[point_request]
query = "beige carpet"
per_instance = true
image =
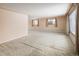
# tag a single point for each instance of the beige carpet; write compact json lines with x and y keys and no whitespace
{"x":39,"y":44}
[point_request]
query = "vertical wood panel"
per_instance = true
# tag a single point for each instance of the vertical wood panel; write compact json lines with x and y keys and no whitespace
{"x":77,"y":30}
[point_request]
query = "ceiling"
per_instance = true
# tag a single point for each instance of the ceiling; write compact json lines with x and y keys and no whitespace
{"x":35,"y":10}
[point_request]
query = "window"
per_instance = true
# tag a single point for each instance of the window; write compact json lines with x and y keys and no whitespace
{"x":52,"y":21}
{"x":72,"y":21}
{"x":35,"y":22}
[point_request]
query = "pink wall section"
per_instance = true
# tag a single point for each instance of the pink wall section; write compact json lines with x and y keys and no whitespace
{"x":12,"y":25}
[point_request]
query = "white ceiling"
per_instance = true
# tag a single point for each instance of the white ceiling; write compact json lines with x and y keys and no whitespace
{"x":38,"y":9}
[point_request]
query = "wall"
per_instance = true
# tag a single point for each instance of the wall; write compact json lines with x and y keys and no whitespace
{"x":12,"y":25}
{"x":72,"y":24}
{"x":39,"y":9}
{"x":61,"y":25}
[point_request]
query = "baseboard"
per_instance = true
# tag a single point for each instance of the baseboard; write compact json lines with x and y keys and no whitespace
{"x":12,"y":39}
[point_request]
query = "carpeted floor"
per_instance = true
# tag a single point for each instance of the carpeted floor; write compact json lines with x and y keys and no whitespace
{"x":39,"y":44}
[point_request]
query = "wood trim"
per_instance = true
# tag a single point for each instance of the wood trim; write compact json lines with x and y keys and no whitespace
{"x":32,"y":23}
{"x":38,"y":22}
{"x":46,"y":22}
{"x":69,"y":23}
{"x":56,"y":23}
{"x":77,"y":30}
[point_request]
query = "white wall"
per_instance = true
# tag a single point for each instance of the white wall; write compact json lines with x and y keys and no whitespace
{"x":12,"y":25}
{"x":50,"y":10}
{"x":38,"y":10}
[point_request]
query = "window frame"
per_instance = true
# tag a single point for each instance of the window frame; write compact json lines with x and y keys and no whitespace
{"x":52,"y":22}
{"x":37,"y":22}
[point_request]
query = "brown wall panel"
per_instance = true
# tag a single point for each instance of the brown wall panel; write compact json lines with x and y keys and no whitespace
{"x":61,"y":25}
